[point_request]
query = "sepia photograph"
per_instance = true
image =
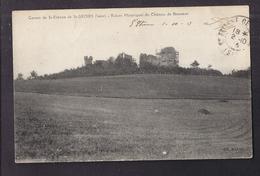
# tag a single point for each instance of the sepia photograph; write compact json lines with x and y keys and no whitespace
{"x":127,"y":84}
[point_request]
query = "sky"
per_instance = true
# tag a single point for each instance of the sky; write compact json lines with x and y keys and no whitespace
{"x":49,"y":41}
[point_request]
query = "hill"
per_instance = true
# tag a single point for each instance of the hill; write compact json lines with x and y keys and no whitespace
{"x":132,"y":117}
{"x":143,"y":86}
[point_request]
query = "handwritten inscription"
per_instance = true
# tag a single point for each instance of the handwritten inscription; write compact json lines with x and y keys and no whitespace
{"x":140,"y":23}
{"x":143,"y":23}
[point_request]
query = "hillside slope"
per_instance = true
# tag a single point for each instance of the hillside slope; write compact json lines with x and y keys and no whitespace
{"x":143,"y":86}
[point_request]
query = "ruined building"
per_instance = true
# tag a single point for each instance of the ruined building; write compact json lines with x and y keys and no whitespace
{"x":166,"y":57}
{"x":88,"y":60}
{"x":124,"y":56}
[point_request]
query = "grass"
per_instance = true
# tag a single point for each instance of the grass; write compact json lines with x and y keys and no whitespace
{"x":67,"y":128}
{"x":143,"y":86}
{"x":132,"y":117}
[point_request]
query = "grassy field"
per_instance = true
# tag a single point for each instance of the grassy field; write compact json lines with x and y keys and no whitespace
{"x":143,"y":86}
{"x":52,"y":125}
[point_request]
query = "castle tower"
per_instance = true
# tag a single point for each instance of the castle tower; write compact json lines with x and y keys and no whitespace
{"x":88,"y":60}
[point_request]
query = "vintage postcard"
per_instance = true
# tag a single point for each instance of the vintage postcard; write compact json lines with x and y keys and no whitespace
{"x":132,"y":84}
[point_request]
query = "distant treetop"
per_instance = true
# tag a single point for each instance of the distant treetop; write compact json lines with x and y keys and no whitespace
{"x":167,"y":50}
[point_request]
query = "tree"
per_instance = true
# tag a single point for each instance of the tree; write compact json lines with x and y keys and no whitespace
{"x":29,"y":78}
{"x":111,"y":60}
{"x":241,"y":73}
{"x":19,"y":76}
{"x":34,"y":74}
{"x":195,"y":64}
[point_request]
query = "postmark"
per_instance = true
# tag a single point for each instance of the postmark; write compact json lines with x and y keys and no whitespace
{"x":233,"y":34}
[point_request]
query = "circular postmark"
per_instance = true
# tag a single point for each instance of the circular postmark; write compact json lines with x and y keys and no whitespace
{"x":233,"y":34}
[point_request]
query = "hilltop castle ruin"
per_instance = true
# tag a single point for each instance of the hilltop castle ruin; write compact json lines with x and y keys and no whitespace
{"x":88,"y":60}
{"x":166,"y":57}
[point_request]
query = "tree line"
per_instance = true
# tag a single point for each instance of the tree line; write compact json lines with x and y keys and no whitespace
{"x":127,"y":65}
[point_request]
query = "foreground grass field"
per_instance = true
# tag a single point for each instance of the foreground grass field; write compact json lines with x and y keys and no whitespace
{"x":52,"y":126}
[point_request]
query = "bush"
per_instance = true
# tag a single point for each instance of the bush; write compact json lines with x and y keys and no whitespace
{"x":241,"y":73}
{"x":179,"y":70}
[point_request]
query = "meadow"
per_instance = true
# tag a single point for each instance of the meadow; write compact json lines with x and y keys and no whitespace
{"x":132,"y":117}
{"x":143,"y":86}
